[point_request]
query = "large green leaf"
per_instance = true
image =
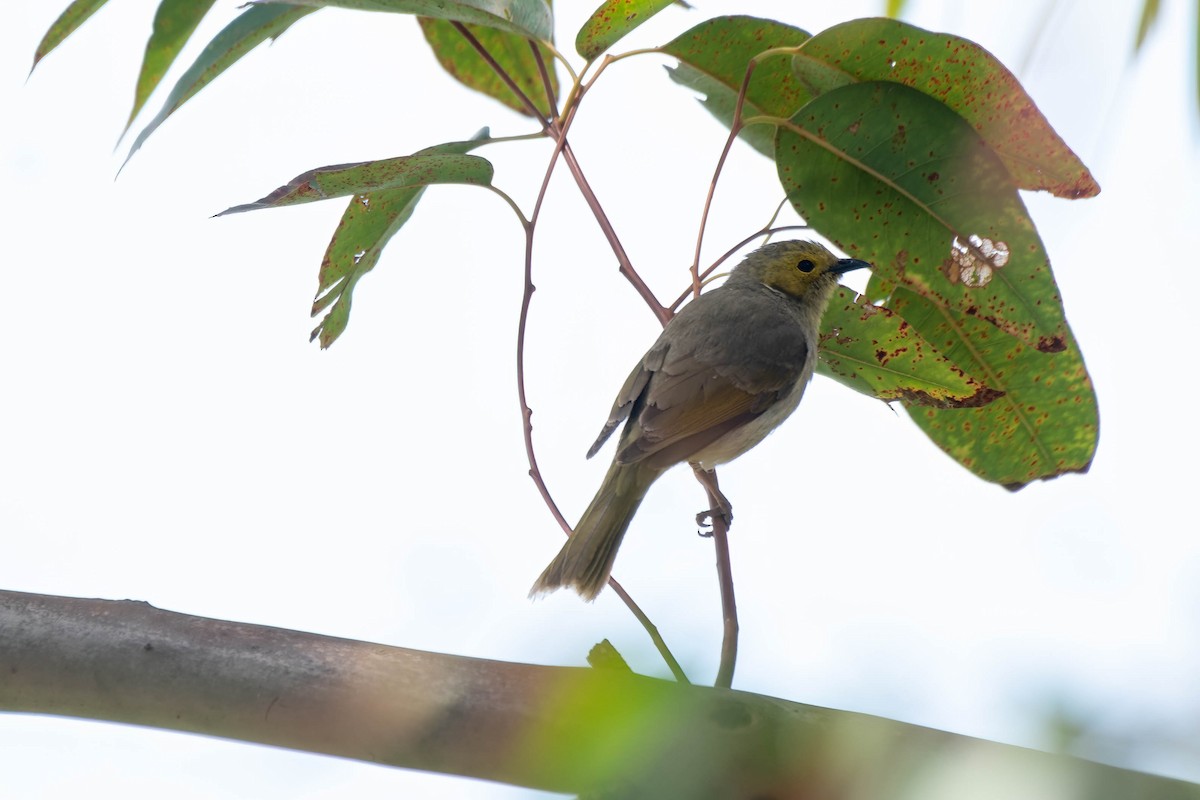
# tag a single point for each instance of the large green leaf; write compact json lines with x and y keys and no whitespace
{"x":963,"y":76}
{"x":713,"y":57}
{"x":66,"y":24}
{"x":898,"y":179}
{"x":252,"y":27}
{"x":1045,"y":424}
{"x":339,"y":180}
{"x":369,"y":222}
{"x":523,"y":17}
{"x":174,"y":23}
{"x":875,"y":351}
{"x":612,"y":21}
{"x":510,"y":51}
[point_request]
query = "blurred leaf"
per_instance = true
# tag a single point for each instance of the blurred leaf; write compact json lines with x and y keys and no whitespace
{"x":511,"y":51}
{"x":604,"y":656}
{"x":339,"y":180}
{"x":1146,"y":22}
{"x":174,"y":23}
{"x":1046,"y":423}
{"x":961,"y":75}
{"x":898,"y":179}
{"x":252,"y":27}
{"x":874,"y":351}
{"x":895,"y":8}
{"x":367,"y":225}
{"x":611,"y":22}
{"x":713,"y":58}
{"x":522,"y":17}
{"x":75,"y":15}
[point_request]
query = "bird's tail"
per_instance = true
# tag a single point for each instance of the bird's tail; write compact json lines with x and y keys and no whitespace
{"x":585,"y":561}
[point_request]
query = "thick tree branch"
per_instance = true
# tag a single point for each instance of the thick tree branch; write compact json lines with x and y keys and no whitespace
{"x":562,"y":729}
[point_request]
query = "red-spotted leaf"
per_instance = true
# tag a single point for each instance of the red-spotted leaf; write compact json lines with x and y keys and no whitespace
{"x":959,"y":74}
{"x":713,"y":57}
{"x":511,"y":52}
{"x":66,"y":24}
{"x":875,"y":351}
{"x":1046,"y":422}
{"x":174,"y":23}
{"x":612,"y":21}
{"x":531,"y":18}
{"x":252,"y":27}
{"x":367,"y":225}
{"x":362,"y":177}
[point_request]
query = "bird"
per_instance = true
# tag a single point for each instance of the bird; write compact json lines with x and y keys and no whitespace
{"x":725,"y":371}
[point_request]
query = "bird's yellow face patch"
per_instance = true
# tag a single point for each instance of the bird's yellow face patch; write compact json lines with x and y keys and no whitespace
{"x":792,"y":269}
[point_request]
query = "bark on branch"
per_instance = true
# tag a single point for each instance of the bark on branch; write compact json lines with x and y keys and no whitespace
{"x":562,"y":729}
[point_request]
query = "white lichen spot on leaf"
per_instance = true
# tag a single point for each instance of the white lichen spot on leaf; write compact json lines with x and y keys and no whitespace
{"x":974,"y":262}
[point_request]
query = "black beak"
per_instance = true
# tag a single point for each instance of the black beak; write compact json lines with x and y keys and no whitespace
{"x":845,"y":265}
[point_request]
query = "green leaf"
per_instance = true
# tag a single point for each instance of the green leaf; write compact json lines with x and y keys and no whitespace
{"x":174,"y":23}
{"x":898,"y":179}
{"x":895,"y":8}
{"x":511,"y":51}
{"x":611,"y":22}
{"x":961,"y":75}
{"x":362,"y":177}
{"x":252,"y":27}
{"x":604,"y":655}
{"x":523,"y":17}
{"x":713,"y":58}
{"x":876,"y":352}
{"x":75,"y":15}
{"x":367,"y":225}
{"x":1046,"y":423}
{"x":1149,"y":16}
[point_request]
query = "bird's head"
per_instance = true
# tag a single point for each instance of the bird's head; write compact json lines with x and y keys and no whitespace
{"x":797,"y":268}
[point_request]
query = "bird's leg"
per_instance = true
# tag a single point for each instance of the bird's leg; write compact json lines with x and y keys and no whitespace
{"x":708,"y":479}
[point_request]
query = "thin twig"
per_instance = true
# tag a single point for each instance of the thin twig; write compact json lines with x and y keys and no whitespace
{"x":720,"y":536}
{"x":501,"y":73}
{"x":551,"y":100}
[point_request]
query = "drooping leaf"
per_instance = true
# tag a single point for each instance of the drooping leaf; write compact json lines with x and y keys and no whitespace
{"x":70,"y":19}
{"x":878,"y":353}
{"x":713,"y":57}
{"x":898,"y":179}
{"x":511,"y":52}
{"x":961,"y":75}
{"x":523,"y":17}
{"x":174,"y":23}
{"x":367,"y":225}
{"x":1045,"y":424}
{"x":1149,"y":16}
{"x":611,"y":22}
{"x":339,"y":180}
{"x":252,"y":27}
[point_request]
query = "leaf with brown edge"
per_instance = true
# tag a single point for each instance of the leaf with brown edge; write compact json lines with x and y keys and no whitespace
{"x":174,"y":23}
{"x":339,"y":180}
{"x":511,"y":52}
{"x":875,"y":351}
{"x":1046,"y":423}
{"x":897,"y":179}
{"x":713,"y":57}
{"x":252,"y":27}
{"x":611,"y":22}
{"x":367,"y":225}
{"x":961,"y":75}
{"x":67,"y":23}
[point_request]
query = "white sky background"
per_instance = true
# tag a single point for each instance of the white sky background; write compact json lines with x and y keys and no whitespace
{"x":170,"y":435}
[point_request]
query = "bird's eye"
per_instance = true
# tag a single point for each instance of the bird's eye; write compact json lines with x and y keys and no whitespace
{"x":805,"y":266}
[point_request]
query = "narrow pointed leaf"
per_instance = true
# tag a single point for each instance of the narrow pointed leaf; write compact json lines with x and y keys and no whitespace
{"x":611,"y":22}
{"x":367,"y":225}
{"x":895,"y":8}
{"x":713,"y":58}
{"x":963,"y":76}
{"x":898,"y":179}
{"x":876,"y":352}
{"x":174,"y":23}
{"x":362,"y":177}
{"x":74,"y":16}
{"x":1149,"y":16}
{"x":511,"y":51}
{"x":523,"y":17}
{"x":251,"y":28}
{"x":1044,"y":425}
